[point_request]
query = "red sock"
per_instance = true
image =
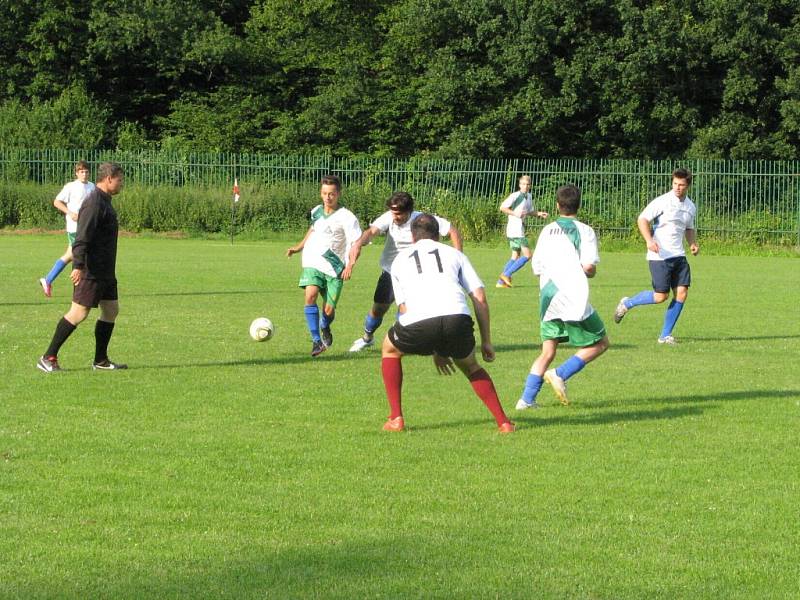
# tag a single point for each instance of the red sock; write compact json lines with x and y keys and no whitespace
{"x":483,"y":386}
{"x":392,"y":370}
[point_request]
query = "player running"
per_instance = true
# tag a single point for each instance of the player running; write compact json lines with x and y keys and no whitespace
{"x":565,"y":256}
{"x":395,"y":224}
{"x":325,"y":249}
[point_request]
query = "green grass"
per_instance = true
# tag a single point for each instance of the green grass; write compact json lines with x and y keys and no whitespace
{"x":219,"y":467}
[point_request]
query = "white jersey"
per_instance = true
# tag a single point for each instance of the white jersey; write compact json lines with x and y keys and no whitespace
{"x":430,"y":278}
{"x":562,"y":249}
{"x":520,"y":203}
{"x":73,"y":195}
{"x":328,"y":246}
{"x":669,"y":218}
{"x":398,"y":237}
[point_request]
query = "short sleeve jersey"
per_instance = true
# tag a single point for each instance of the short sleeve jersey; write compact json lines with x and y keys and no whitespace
{"x":562,"y":249}
{"x":430,"y":278}
{"x":518,"y":202}
{"x":669,"y":219}
{"x":73,"y":194}
{"x":327,"y":247}
{"x":398,"y":237}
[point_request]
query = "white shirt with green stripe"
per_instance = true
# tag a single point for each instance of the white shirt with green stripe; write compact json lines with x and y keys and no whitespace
{"x":562,"y":249}
{"x":520,"y":203}
{"x":328,"y":246}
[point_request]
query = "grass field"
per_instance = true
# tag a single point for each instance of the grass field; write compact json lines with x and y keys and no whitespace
{"x":219,"y":467}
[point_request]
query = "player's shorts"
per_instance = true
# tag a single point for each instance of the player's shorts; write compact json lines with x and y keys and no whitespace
{"x":71,"y":238}
{"x":517,"y":244}
{"x":90,"y":292}
{"x":670,"y":273}
{"x":329,"y":287}
{"x":578,"y":333}
{"x":449,"y":335}
{"x":384,"y":292}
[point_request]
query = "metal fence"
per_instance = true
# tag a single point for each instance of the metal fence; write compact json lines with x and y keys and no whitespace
{"x":756,"y":201}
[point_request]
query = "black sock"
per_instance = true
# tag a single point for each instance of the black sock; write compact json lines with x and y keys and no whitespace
{"x":102,"y":335}
{"x":64,"y":329}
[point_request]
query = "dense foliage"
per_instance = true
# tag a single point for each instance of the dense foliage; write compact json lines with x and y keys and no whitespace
{"x":482,"y":78}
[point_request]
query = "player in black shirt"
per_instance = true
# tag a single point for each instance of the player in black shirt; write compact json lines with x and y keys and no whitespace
{"x":93,"y":273}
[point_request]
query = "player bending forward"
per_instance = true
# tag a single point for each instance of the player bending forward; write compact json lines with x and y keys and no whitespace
{"x":429,"y":281}
{"x":565,"y":256}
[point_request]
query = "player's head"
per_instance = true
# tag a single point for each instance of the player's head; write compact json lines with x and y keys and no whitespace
{"x":681,"y":180}
{"x":82,"y":171}
{"x":401,"y":205}
{"x":568,"y":199}
{"x":425,"y":227}
{"x":110,"y":177}
{"x":329,"y":190}
{"x":524,"y":183}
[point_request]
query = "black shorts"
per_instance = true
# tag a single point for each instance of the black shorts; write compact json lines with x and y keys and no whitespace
{"x":450,"y":335}
{"x":384,"y":292}
{"x":670,"y":273}
{"x":90,"y":292}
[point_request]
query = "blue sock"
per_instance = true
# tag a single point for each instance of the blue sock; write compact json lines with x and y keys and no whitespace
{"x":671,"y":317}
{"x":645,"y":297}
{"x":532,"y":386}
{"x":325,"y":320}
{"x":570,"y":366}
{"x":510,"y":262}
{"x":371,"y":323}
{"x":515,"y":266}
{"x":54,"y":272}
{"x":312,"y":320}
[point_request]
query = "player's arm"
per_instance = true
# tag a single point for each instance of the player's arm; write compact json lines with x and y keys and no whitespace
{"x":691,"y":238}
{"x":63,"y":208}
{"x":644,"y":228}
{"x":354,"y":236}
{"x":299,"y":247}
{"x":87,"y":227}
{"x":481,"y":306}
{"x":590,"y":270}
{"x":455,"y":237}
{"x":355,"y":250}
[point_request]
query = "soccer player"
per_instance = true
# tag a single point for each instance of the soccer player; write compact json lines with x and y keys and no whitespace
{"x":565,"y":256}
{"x":69,"y":201}
{"x":94,"y":256}
{"x":664,"y":223}
{"x":395,"y":224}
{"x":429,"y":281}
{"x":517,"y":206}
{"x":325,"y":247}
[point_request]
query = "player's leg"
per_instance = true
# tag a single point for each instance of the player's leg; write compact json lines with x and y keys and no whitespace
{"x":66,"y":258}
{"x":505,"y":280}
{"x":77,"y":313}
{"x":331,"y":294}
{"x":681,"y":279}
{"x":590,"y":337}
{"x":520,"y":261}
{"x":381,"y":301}
{"x":312,"y":281}
{"x":392,"y":372}
{"x":660,"y":276}
{"x":459,"y":344}
{"x":535,"y":378}
{"x":104,"y":327}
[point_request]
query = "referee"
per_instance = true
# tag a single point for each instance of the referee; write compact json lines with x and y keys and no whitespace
{"x":93,"y":274}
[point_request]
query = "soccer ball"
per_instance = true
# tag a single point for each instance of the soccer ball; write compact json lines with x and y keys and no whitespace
{"x":261,"y":329}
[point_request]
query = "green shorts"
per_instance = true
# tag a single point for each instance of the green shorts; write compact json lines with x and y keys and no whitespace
{"x":578,"y":333}
{"x":329,"y":287}
{"x":71,"y":238}
{"x":517,"y":244}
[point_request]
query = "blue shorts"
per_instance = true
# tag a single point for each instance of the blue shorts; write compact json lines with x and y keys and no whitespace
{"x":670,"y":273}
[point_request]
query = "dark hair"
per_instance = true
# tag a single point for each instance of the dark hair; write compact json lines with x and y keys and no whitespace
{"x":332,"y":180}
{"x":400,"y":201}
{"x":425,"y":227}
{"x":681,"y":173}
{"x":81,"y":164}
{"x":568,"y":198}
{"x":108,"y":169}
